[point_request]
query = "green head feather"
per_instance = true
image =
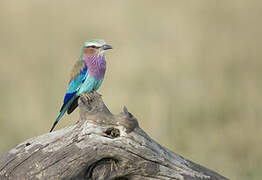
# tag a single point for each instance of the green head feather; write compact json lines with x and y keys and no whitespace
{"x":95,"y":42}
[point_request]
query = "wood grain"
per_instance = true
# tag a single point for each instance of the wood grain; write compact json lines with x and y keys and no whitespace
{"x":100,"y":146}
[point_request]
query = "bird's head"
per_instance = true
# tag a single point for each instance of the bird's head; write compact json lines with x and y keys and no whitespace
{"x":95,"y":47}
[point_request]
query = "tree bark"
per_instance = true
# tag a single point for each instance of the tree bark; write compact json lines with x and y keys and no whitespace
{"x":100,"y":146}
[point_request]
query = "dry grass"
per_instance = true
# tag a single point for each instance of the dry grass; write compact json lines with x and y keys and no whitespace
{"x":189,"y":70}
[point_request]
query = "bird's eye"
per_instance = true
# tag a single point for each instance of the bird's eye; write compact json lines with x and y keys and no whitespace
{"x":93,"y":47}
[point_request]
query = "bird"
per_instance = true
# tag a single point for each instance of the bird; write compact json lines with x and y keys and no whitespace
{"x":87,"y":75}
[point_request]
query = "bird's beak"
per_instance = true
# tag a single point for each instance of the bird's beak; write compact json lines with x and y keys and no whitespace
{"x":106,"y":47}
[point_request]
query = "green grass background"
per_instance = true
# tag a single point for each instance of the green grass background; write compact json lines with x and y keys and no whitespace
{"x":190,"y":71}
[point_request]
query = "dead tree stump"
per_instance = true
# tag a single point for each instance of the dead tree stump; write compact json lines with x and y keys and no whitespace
{"x":100,"y":146}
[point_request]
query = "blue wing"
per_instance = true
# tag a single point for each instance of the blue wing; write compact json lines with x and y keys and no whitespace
{"x":79,"y":75}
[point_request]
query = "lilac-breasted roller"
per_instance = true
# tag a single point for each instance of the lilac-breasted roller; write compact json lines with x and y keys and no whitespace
{"x":87,"y":75}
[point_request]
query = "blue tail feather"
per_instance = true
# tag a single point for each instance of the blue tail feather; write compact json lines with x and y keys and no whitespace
{"x":63,"y":110}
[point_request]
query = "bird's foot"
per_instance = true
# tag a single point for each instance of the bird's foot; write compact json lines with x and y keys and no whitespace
{"x":88,"y":97}
{"x":96,"y":93}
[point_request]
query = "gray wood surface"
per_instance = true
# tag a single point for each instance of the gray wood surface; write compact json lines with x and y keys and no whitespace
{"x":100,"y":146}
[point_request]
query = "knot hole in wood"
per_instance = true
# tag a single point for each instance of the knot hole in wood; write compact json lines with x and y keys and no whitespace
{"x":112,"y":132}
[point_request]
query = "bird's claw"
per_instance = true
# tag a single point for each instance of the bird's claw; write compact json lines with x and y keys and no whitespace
{"x":87,"y":97}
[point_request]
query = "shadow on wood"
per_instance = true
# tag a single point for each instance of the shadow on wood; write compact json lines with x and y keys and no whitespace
{"x":100,"y":146}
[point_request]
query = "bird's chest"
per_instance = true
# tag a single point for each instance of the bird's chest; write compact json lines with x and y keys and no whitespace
{"x":97,"y":70}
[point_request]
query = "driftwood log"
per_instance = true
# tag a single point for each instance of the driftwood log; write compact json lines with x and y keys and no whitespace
{"x":100,"y":146}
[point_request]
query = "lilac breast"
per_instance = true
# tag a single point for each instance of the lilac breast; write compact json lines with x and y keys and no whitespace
{"x":96,"y":66}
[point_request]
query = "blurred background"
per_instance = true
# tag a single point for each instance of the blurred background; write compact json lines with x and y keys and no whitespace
{"x":190,"y":71}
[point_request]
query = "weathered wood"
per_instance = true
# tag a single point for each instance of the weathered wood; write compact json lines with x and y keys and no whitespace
{"x":100,"y":146}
